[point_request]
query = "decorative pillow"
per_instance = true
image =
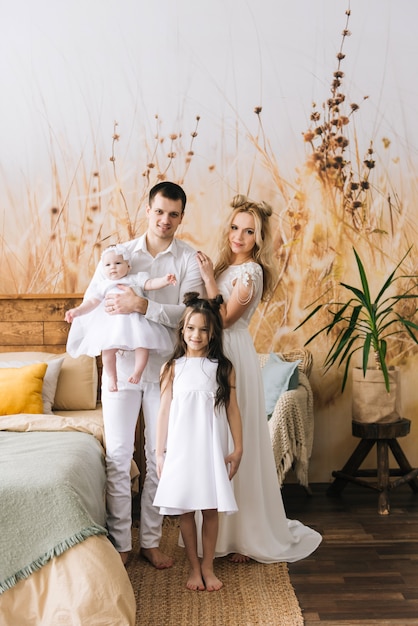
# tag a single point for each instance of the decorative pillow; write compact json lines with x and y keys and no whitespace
{"x":76,"y":388}
{"x":51,"y":375}
{"x":77,"y":384}
{"x":21,"y":389}
{"x":278,"y":376}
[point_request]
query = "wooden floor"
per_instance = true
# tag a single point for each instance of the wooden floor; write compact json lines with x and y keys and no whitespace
{"x":366,"y":569}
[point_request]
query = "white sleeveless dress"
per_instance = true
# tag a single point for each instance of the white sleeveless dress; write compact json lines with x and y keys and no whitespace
{"x":260,"y":529}
{"x":194,"y":475}
{"x":96,"y":331}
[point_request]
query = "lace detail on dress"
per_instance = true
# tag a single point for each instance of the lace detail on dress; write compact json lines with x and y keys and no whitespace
{"x":246,"y":276}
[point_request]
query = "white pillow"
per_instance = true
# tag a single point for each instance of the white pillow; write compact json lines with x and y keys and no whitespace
{"x":50,"y":379}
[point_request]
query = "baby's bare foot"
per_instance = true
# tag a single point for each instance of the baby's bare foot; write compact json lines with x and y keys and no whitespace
{"x":112,"y":384}
{"x":134,"y":378}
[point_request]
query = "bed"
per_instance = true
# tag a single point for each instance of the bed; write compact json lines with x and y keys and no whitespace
{"x":57,"y":564}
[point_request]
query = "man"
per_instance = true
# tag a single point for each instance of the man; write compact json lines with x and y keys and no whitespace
{"x":157,"y":252}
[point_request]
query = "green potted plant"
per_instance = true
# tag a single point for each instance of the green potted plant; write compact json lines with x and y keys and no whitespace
{"x":364,"y":324}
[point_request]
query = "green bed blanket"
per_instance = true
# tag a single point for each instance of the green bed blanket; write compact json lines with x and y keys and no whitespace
{"x":52,"y":496}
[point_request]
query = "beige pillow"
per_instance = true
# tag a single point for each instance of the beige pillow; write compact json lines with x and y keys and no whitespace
{"x":76,"y":386}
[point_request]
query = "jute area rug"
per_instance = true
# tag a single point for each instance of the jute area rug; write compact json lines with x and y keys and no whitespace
{"x":253,"y":594}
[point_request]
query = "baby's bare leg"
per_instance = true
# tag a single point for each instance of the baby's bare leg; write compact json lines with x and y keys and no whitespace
{"x":189,"y":534}
{"x":141,"y":359}
{"x":209,"y":537}
{"x":109,"y":364}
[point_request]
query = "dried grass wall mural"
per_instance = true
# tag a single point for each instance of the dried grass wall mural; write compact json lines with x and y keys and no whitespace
{"x":308,"y":105}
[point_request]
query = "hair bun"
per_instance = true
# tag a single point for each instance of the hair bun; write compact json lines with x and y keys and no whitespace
{"x":191,"y":298}
{"x":239,"y":200}
{"x":243,"y":201}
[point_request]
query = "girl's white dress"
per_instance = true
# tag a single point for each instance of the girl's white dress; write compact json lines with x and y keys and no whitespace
{"x":194,"y":475}
{"x":260,"y":529}
{"x":96,"y":331}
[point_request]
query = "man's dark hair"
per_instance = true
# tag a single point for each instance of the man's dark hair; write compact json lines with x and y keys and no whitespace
{"x":168,"y":190}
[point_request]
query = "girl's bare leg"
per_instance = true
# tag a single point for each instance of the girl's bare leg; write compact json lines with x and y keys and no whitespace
{"x":109,"y":364}
{"x":189,"y":534}
{"x":209,"y":537}
{"x":141,"y":358}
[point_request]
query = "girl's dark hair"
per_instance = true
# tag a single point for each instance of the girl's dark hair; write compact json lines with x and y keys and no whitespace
{"x":210,"y":309}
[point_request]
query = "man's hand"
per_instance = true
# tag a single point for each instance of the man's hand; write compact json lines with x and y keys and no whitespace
{"x":126,"y":302}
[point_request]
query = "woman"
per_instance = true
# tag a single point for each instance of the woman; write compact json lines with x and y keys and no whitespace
{"x":244,"y":275}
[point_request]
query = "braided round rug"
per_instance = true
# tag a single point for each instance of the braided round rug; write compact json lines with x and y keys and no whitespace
{"x":253,"y":593}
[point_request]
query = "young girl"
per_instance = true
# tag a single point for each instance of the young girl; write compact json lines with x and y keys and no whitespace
{"x":198,"y":403}
{"x":102,"y":333}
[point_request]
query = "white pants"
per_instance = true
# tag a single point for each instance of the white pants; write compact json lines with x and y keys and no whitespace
{"x":120,"y":414}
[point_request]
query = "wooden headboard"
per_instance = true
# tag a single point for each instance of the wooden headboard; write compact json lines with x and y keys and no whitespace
{"x":35,"y":322}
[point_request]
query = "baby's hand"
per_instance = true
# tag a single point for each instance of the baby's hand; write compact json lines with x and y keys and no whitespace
{"x":171,"y":279}
{"x":69,"y":315}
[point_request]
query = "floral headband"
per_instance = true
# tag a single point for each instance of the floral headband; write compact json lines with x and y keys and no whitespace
{"x":120,"y":250}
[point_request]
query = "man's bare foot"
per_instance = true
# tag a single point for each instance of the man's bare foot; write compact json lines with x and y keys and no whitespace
{"x":157,"y":558}
{"x":112,"y":383}
{"x":134,"y":378}
{"x":195,"y":581}
{"x":212,"y":582}
{"x":124,"y":556}
{"x":239,"y":558}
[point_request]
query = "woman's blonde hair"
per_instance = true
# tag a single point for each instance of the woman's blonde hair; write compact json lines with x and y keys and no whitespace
{"x":263,"y":252}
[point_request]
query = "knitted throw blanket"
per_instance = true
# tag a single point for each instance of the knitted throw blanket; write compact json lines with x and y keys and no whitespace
{"x":291,"y":431}
{"x":52,"y":494}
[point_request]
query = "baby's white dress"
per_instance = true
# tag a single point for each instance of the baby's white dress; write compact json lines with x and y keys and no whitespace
{"x":96,"y":331}
{"x":194,"y":475}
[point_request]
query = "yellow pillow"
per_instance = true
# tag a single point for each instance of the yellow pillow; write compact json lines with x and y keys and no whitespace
{"x":21,"y":389}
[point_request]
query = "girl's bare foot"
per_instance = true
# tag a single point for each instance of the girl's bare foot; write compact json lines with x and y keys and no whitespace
{"x":195,"y":581}
{"x":212,"y":582}
{"x":239,"y":558}
{"x":112,"y":383}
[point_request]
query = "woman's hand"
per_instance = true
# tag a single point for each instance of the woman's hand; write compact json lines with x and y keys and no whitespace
{"x":205,"y":266}
{"x":126,"y":302}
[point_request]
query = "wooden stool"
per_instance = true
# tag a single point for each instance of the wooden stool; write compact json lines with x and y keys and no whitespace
{"x":384,"y":435}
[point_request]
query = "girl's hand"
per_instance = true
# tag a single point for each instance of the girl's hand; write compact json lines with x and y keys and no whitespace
{"x":233,"y":460}
{"x":160,"y":464}
{"x":171,"y":279}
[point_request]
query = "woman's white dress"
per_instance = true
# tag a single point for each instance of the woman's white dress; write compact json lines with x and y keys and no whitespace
{"x":194,"y":475}
{"x":96,"y":331}
{"x":260,"y":529}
